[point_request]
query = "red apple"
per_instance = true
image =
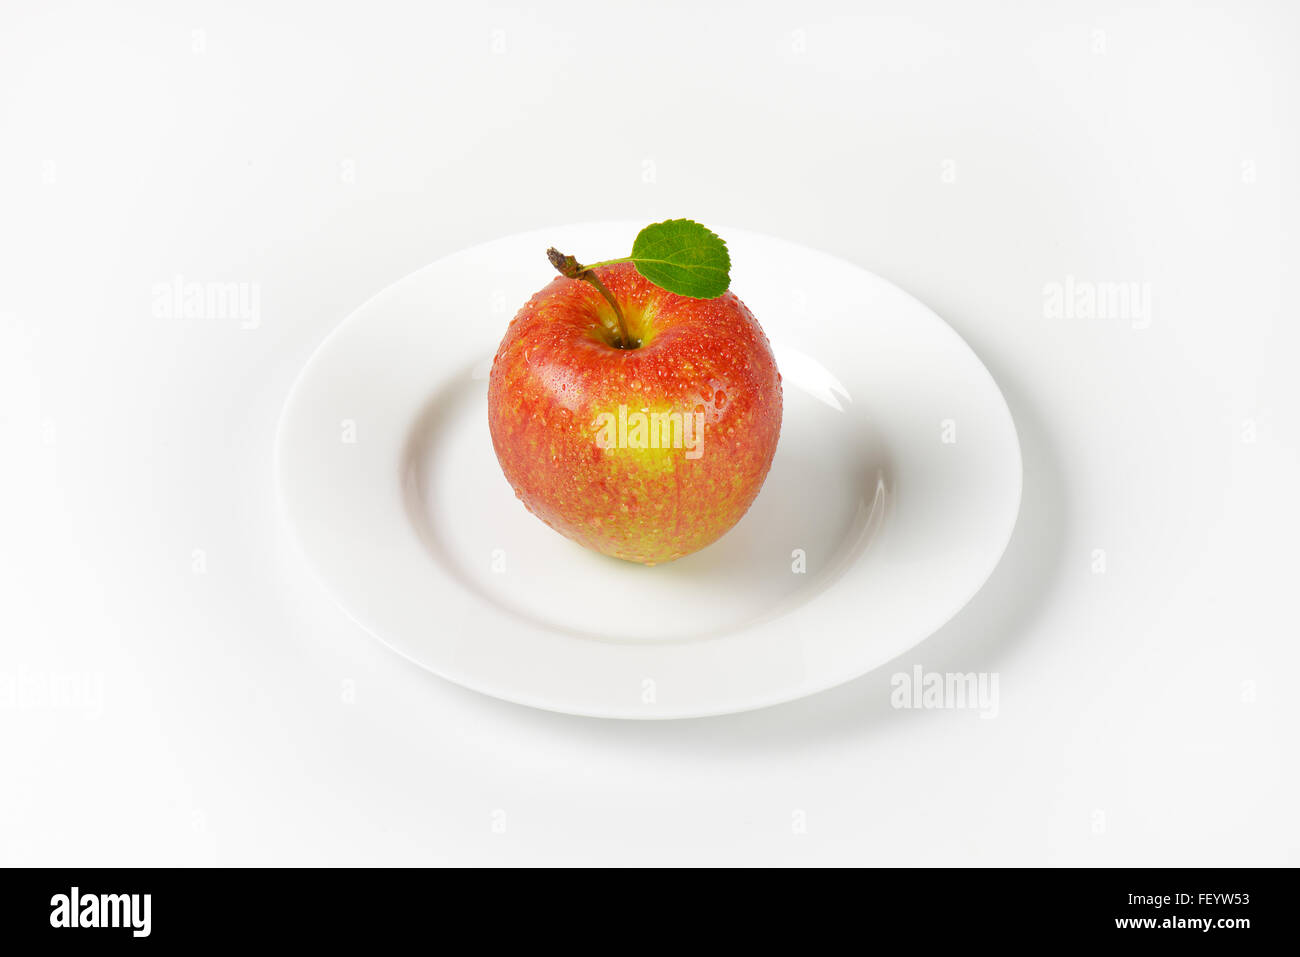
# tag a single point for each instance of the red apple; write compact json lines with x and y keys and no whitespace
{"x":645,"y":453}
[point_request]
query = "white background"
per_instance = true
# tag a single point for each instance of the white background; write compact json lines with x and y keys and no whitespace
{"x":973,"y":154}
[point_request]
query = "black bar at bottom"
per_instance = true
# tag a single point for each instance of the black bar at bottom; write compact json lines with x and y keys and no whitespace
{"x":238,"y":906}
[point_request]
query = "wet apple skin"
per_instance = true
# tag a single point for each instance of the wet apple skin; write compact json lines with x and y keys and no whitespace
{"x":557,"y":370}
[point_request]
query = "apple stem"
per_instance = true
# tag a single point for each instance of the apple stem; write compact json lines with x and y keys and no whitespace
{"x":570,"y":268}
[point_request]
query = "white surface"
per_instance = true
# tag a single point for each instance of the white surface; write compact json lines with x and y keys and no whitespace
{"x":1157,"y":694}
{"x":878,"y":521}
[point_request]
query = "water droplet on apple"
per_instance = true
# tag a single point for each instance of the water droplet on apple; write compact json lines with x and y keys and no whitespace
{"x":720,"y":398}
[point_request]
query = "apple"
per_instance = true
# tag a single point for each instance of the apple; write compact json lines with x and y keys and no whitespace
{"x":636,"y":421}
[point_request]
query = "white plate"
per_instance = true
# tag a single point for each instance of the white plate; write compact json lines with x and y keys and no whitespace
{"x":895,"y":488}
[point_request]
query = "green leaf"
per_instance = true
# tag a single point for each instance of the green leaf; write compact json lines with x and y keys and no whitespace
{"x":683,"y":257}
